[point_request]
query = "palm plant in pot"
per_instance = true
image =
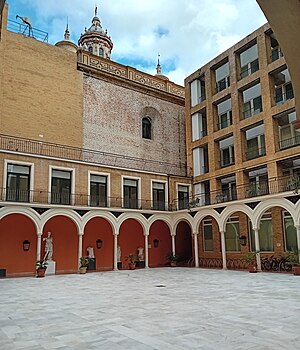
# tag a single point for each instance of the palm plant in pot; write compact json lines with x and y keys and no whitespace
{"x":41,"y":266}
{"x":251,"y":260}
{"x":172,"y":258}
{"x":293,"y":259}
{"x":84,"y":262}
{"x":131,"y":259}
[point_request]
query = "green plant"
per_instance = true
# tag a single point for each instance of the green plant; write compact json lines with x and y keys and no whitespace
{"x":251,"y":258}
{"x":172,"y":257}
{"x":292,"y":258}
{"x":84,"y":261}
{"x":41,"y":264}
{"x":131,"y":258}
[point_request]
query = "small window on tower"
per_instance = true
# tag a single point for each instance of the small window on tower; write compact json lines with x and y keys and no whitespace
{"x":91,"y":49}
{"x":146,"y":128}
{"x":101,"y":52}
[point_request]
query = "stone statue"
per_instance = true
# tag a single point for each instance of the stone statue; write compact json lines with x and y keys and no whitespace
{"x":48,"y":247}
{"x":141,"y":254}
{"x":90,"y":251}
{"x":119,"y":253}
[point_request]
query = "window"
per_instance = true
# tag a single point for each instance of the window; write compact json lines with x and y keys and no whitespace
{"x":232,"y":235}
{"x":199,"y":125}
{"x":130,"y":193}
{"x":201,"y":194}
{"x":101,"y":52}
{"x":158,"y":195}
{"x":146,"y":128}
{"x":208,"y":243}
{"x":18,"y":183}
{"x":255,"y":138}
{"x":252,"y":101}
{"x":288,"y":135}
{"x":197,"y":91}
{"x":283,"y":86}
{"x":61,"y":187}
{"x":222,"y":77}
{"x":200,"y":160}
{"x":276,"y":52}
{"x":249,"y":61}
{"x":228,"y":189}
{"x":224,"y":114}
{"x":98,"y":190}
{"x":265,"y":234}
{"x":226,"y":147}
{"x":91,"y":49}
{"x":258,"y":183}
{"x":290,"y":232}
{"x":183,"y":197}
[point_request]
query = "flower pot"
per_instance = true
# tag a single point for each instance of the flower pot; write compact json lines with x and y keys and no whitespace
{"x":131,"y":266}
{"x":40,"y":272}
{"x":82,"y":270}
{"x":296,"y":270}
{"x":173,"y":263}
{"x":252,"y":269}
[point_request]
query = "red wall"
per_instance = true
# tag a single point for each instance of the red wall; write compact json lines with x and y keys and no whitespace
{"x":65,"y":243}
{"x":157,"y":256}
{"x":183,"y":241}
{"x":130,"y":238}
{"x":14,"y":229}
{"x":99,"y":228}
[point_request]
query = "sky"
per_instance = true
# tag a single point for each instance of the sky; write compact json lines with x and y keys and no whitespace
{"x":186,"y":33}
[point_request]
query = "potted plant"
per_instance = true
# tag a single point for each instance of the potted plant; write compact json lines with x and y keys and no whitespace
{"x":41,"y":266}
{"x":172,"y":258}
{"x":84,"y":262}
{"x":293,"y":259}
{"x":132,"y":259}
{"x":251,"y":260}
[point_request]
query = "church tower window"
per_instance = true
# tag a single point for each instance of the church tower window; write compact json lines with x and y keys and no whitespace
{"x":146,"y":128}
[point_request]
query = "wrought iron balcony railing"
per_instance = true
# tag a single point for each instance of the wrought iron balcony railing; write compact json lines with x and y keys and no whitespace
{"x":26,"y":30}
{"x":293,"y":141}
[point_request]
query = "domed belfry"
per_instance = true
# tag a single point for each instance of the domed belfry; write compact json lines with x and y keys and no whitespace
{"x":96,"y":40}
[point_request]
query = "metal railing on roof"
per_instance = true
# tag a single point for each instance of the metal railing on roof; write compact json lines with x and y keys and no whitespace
{"x":26,"y":30}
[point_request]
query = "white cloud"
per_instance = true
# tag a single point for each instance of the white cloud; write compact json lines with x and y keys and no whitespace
{"x":186,"y":33}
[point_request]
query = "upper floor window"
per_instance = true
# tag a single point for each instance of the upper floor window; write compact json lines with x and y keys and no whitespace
{"x":249,"y":61}
{"x":146,"y":128}
{"x":255,"y":140}
{"x":276,"y":52}
{"x":101,"y":52}
{"x":283,"y":86}
{"x":224,"y":114}
{"x":200,"y":160}
{"x":288,"y":135}
{"x":91,"y":49}
{"x":130,"y":193}
{"x":252,"y":103}
{"x":158,"y":195}
{"x":199,"y":125}
{"x":258,"y":183}
{"x":222,"y":77}
{"x":228,"y":187}
{"x":18,"y":183}
{"x":197,"y":91}
{"x":183,"y":197}
{"x":98,"y":190}
{"x":61,"y":186}
{"x":226,"y":147}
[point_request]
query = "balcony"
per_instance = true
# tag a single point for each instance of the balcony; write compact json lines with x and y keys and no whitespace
{"x":89,"y":156}
{"x":291,"y":142}
{"x":254,"y":153}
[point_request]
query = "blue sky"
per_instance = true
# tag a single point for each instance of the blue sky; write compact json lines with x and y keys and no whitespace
{"x":186,"y":33}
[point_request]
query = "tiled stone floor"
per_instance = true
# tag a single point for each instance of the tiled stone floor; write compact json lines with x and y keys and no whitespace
{"x":197,"y":309}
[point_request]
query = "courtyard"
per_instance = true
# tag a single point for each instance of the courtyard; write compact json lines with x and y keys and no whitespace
{"x":163,"y":308}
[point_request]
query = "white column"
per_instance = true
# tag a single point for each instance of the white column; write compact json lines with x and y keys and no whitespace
{"x":257,"y":249}
{"x":173,"y":244}
{"x":115,"y":252}
{"x":79,"y":247}
{"x":146,"y":251}
{"x":223,"y":249}
{"x":196,"y":251}
{"x":39,"y":246}
{"x":298,"y":241}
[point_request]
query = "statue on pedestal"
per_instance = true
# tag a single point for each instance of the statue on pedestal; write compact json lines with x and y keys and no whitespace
{"x":90,"y":251}
{"x":140,"y":254}
{"x":48,"y":247}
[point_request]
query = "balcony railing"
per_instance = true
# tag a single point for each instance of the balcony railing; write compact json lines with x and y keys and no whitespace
{"x":283,"y":95}
{"x":293,"y":141}
{"x":26,"y":30}
{"x":45,"y":198}
{"x":223,"y":84}
{"x":254,"y":153}
{"x":250,"y":112}
{"x":17,"y":144}
{"x":276,"y":54}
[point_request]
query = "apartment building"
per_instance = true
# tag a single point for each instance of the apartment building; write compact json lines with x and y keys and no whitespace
{"x":243,"y":152}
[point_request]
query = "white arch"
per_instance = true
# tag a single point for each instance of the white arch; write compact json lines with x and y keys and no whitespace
{"x":160,"y":217}
{"x":183,"y":217}
{"x":71,"y":214}
{"x":201,"y":214}
{"x":271,"y":203}
{"x":228,"y":211}
{"x":104,"y":215}
{"x":28,"y":212}
{"x":297,"y":213}
{"x":135,"y":216}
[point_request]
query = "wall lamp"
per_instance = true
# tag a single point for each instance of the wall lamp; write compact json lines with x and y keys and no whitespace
{"x":99,"y":243}
{"x":155,"y":243}
{"x":26,"y":245}
{"x":243,"y":240}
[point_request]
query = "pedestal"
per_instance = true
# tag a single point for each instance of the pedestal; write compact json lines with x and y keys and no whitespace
{"x":92,"y":264}
{"x":51,"y":268}
{"x":2,"y":273}
{"x":119,"y":265}
{"x":140,"y":264}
